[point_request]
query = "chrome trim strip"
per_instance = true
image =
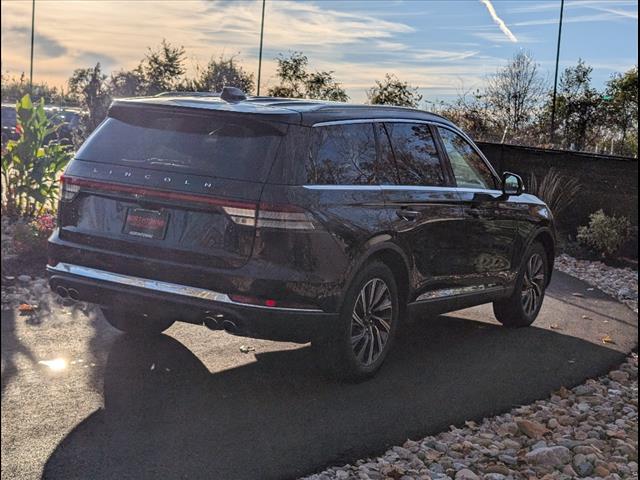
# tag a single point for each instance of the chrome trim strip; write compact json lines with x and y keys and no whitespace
{"x":401,"y":188}
{"x":159,"y":286}
{"x":454,"y":292}
{"x":376,"y":120}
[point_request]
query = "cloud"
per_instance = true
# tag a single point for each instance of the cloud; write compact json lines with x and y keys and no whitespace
{"x":43,"y":44}
{"x":499,"y":21}
{"x":633,"y":14}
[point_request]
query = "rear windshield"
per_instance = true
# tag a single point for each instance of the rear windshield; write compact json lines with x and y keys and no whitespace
{"x":223,"y":146}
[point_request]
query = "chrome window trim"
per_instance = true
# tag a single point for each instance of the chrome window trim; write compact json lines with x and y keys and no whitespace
{"x":401,"y":188}
{"x":374,"y":120}
{"x":160,"y":286}
{"x":434,"y":122}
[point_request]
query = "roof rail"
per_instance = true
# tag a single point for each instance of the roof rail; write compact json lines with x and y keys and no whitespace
{"x":188,"y":94}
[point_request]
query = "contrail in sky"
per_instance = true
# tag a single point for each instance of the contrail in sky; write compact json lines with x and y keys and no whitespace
{"x":499,"y":21}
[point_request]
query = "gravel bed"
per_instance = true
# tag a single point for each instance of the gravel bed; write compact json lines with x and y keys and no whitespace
{"x":620,"y":283}
{"x":590,"y":431}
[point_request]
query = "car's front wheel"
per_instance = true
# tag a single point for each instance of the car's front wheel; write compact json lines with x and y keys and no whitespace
{"x":522,"y":307}
{"x":135,"y":323}
{"x":360,"y":341}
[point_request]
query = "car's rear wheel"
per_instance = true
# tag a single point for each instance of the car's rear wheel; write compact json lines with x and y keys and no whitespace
{"x":360,"y":341}
{"x":135,"y":323}
{"x":522,"y":307}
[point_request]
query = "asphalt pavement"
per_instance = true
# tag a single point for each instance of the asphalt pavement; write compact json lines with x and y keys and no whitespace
{"x":82,"y":401}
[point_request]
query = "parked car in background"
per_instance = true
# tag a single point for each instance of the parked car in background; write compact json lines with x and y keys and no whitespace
{"x":294,"y":220}
{"x":67,"y":120}
{"x":9,"y":120}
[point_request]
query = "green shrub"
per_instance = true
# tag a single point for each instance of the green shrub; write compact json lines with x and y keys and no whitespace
{"x":30,"y":167}
{"x":605,"y":234}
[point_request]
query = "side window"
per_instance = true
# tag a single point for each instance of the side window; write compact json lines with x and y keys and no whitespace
{"x":416,"y":156}
{"x":342,"y":155}
{"x":468,"y":167}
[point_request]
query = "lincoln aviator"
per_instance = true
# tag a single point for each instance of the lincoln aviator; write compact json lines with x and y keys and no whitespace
{"x":294,"y":220}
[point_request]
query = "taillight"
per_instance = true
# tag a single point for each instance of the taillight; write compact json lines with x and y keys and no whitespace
{"x":288,"y":217}
{"x":69,"y":190}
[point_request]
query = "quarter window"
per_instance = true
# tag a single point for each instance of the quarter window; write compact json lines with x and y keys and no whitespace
{"x":468,"y":167}
{"x":342,"y":155}
{"x":416,"y":155}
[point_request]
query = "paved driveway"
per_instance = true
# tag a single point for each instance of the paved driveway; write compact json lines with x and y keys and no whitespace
{"x":190,"y":405}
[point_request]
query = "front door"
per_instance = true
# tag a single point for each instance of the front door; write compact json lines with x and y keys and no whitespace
{"x":490,"y":221}
{"x":425,"y":209}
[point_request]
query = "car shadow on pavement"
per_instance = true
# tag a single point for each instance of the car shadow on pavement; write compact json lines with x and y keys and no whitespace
{"x":12,"y":346}
{"x":166,"y":416}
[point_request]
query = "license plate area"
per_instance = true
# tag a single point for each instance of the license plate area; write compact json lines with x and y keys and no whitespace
{"x":145,"y":223}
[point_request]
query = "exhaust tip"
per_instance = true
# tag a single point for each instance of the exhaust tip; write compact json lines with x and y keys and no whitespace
{"x":229,"y":326}
{"x":213,"y":323}
{"x":63,"y":292}
{"x":74,"y":294}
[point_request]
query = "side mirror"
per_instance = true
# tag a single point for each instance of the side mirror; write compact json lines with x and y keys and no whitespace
{"x":512,"y":184}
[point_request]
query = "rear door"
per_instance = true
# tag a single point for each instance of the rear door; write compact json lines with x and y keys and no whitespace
{"x":490,"y":222}
{"x":174,"y":186}
{"x":427,"y":217}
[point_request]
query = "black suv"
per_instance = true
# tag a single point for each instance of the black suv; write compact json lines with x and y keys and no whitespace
{"x":294,"y":220}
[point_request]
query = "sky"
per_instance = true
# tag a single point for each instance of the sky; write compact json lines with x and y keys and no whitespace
{"x":442,"y":47}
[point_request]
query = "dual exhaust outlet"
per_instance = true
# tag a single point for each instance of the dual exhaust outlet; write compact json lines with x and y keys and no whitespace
{"x":218,"y":322}
{"x":71,"y":293}
{"x":214,"y":322}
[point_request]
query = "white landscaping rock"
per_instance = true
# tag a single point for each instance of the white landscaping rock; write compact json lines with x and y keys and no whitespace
{"x":552,"y":456}
{"x":590,"y":431}
{"x":620,"y":283}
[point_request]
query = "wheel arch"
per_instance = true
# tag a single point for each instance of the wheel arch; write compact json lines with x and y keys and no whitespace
{"x":393,"y":257}
{"x":547,"y":239}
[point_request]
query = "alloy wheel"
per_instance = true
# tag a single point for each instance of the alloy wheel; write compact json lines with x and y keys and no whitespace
{"x":533,"y":284}
{"x":371,"y":321}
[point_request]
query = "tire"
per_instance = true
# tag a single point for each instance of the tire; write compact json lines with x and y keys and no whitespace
{"x":135,"y":323}
{"x":359,"y":342}
{"x":522,"y":307}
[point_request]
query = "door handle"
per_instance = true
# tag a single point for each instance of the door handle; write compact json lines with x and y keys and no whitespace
{"x":406,"y":214}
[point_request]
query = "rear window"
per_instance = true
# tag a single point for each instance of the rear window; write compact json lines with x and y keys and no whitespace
{"x":342,"y":155}
{"x":222,"y":146}
{"x":416,"y":155}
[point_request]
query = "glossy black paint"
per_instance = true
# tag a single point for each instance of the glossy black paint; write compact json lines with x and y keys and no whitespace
{"x":435,"y":238}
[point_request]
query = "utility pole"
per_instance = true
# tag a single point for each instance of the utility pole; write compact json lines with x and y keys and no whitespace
{"x":33,"y":22}
{"x":555,"y":81}
{"x":260,"y":54}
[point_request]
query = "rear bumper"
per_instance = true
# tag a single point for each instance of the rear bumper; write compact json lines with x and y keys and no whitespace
{"x":188,"y":304}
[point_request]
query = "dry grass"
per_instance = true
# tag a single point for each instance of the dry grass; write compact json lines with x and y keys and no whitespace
{"x":557,"y":190}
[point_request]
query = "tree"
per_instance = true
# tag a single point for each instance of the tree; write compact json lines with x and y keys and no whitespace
{"x":90,"y":89}
{"x":621,"y":104}
{"x":14,"y":89}
{"x":392,"y":91}
{"x":162,"y":68}
{"x":578,"y":107}
{"x":296,"y":82}
{"x":224,"y":72}
{"x":127,"y":83}
{"x":514,"y":93}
